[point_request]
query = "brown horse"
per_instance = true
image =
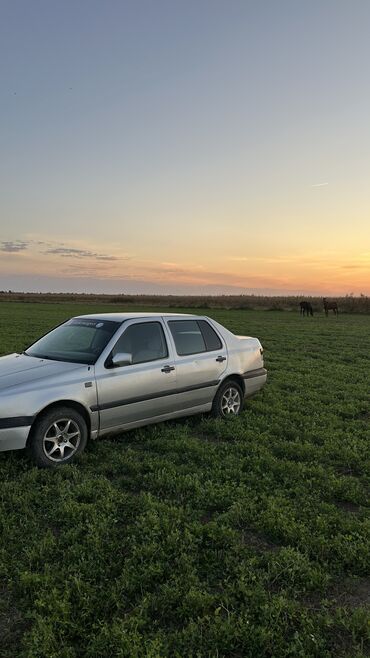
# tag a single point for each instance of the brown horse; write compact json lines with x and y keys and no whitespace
{"x":330,"y":306}
{"x":306,"y":308}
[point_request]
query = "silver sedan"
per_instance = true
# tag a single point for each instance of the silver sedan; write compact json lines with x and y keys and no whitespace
{"x":98,"y":374}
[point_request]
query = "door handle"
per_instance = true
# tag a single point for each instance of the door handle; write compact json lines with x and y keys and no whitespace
{"x":167,"y":368}
{"x":221,"y":358}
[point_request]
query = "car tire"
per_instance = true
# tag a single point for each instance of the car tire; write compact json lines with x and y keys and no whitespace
{"x":228,"y":400}
{"x":57,"y":437}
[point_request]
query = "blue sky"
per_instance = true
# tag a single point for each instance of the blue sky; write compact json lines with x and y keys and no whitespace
{"x":185,"y":146}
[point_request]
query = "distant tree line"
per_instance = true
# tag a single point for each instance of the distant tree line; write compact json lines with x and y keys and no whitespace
{"x":348,"y":304}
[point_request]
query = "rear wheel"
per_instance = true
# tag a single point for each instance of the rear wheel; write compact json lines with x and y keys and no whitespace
{"x":57,"y":437}
{"x":228,"y":400}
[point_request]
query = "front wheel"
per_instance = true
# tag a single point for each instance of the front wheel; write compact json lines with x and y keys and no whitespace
{"x":57,"y":437}
{"x":228,"y":400}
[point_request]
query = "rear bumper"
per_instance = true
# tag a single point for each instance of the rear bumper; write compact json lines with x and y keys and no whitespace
{"x":14,"y":438}
{"x":254,"y":380}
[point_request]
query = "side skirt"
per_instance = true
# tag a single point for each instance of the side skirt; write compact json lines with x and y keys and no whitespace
{"x":199,"y":409}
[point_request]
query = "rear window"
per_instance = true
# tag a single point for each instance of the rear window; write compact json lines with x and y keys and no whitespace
{"x":193,"y":337}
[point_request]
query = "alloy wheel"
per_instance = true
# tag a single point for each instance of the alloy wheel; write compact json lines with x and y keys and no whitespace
{"x":230,"y":401}
{"x":61,"y":439}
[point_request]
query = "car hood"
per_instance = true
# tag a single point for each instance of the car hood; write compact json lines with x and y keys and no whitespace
{"x":18,"y":369}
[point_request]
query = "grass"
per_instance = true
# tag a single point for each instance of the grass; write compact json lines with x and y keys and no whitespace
{"x":202,"y":538}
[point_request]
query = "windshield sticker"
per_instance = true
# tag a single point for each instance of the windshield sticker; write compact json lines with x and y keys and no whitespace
{"x":87,"y":323}
{"x":107,"y":325}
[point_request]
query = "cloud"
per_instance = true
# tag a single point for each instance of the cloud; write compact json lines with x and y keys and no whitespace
{"x":43,"y":243}
{"x":13,"y":246}
{"x":52,"y":248}
{"x":195,"y":276}
{"x":70,"y":252}
{"x":319,"y":184}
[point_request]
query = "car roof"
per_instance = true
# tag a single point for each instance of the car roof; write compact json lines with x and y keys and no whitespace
{"x":121,"y":317}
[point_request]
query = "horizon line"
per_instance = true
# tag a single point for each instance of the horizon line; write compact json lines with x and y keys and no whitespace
{"x":191,"y":295}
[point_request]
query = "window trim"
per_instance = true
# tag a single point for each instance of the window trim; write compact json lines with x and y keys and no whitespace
{"x":196,"y":320}
{"x":108,"y":361}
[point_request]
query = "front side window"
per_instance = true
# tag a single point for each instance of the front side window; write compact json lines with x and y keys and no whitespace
{"x":193,"y":337}
{"x":77,"y":341}
{"x":145,"y":341}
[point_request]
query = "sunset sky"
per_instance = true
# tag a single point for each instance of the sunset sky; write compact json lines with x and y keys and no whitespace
{"x":190,"y":146}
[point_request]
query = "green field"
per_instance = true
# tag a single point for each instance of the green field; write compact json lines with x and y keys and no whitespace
{"x":202,"y":538}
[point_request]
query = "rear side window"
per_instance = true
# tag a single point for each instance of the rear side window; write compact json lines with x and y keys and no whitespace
{"x":187,"y":336}
{"x":193,"y":337}
{"x":211,"y":339}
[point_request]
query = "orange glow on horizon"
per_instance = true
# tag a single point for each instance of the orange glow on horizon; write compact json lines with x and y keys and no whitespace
{"x":320,"y":273}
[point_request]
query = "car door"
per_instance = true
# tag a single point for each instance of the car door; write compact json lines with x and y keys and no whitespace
{"x":144,"y":389}
{"x":201,"y":358}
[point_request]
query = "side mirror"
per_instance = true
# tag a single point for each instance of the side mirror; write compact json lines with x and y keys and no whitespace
{"x":121,"y":359}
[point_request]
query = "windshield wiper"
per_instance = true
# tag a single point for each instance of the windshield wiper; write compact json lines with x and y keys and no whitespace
{"x":40,"y":356}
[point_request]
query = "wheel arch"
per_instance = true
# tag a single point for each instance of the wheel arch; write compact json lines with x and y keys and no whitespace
{"x":235,"y":378}
{"x":77,"y":406}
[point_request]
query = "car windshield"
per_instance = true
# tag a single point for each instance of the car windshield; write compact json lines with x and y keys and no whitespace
{"x":77,"y":341}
